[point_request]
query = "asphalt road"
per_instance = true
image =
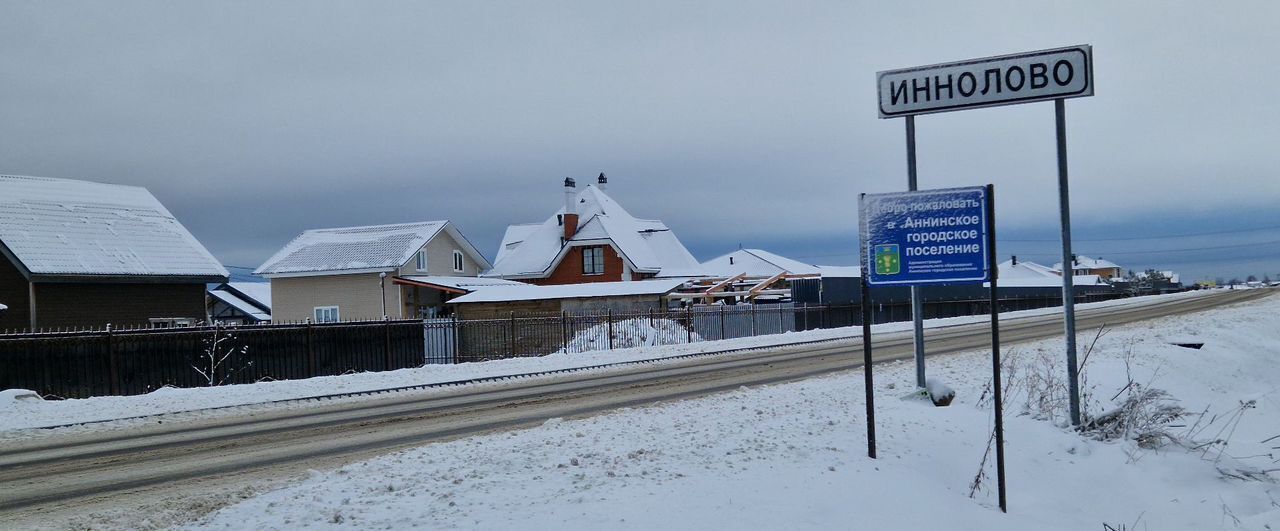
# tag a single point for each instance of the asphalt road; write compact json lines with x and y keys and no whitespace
{"x":178,"y":468}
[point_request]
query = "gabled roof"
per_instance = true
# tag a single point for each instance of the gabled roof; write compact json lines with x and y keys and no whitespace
{"x":66,"y":228}
{"x":1026,"y":274}
{"x":1084,"y":262}
{"x":243,"y":296}
{"x":533,"y":250}
{"x":359,"y":249}
{"x":756,"y":262}
{"x":529,"y":292}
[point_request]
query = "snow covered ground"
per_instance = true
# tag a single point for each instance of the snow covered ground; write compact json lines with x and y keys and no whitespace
{"x":18,"y":417}
{"x":793,"y":456}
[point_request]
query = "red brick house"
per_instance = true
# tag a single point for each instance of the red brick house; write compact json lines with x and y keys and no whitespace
{"x":591,"y":239}
{"x":79,"y":254}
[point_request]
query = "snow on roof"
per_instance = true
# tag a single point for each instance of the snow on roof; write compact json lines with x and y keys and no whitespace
{"x":82,"y":228}
{"x":239,"y":303}
{"x":1026,"y":274}
{"x":756,"y":262}
{"x":372,"y":247}
{"x":462,"y":283}
{"x":3,"y":307}
{"x":840,"y":271}
{"x":1084,"y":262}
{"x":260,"y":292}
{"x":649,"y":246}
{"x":529,"y":292}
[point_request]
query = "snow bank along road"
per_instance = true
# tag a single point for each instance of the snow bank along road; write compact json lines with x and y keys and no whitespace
{"x":47,"y":477}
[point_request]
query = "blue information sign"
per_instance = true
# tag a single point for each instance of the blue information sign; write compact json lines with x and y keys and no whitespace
{"x":926,"y":237}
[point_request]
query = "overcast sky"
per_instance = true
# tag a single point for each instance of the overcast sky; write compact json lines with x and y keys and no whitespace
{"x":735,"y":122}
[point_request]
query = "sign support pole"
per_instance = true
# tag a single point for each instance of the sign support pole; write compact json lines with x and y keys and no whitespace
{"x":997,"y":390}
{"x":917,"y":302}
{"x":1068,"y":269}
{"x":868,"y":380}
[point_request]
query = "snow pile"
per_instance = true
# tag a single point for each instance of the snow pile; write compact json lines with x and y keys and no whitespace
{"x":631,"y":333}
{"x":792,"y":456}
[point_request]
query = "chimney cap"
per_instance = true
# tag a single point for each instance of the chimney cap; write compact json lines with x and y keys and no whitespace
{"x":602,"y":179}
{"x":568,"y":183}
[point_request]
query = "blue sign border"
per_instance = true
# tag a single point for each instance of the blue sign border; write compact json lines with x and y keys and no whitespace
{"x":868,"y":251}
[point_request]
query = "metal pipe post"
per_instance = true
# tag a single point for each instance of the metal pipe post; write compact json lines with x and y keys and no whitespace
{"x":868,"y":380}
{"x":917,"y":299}
{"x":1068,"y":289}
{"x":997,"y":393}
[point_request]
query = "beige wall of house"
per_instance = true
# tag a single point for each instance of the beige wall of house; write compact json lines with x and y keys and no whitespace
{"x":440,"y":259}
{"x":357,"y":297}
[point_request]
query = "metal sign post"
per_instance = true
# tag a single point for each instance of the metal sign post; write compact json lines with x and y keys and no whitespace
{"x":1044,"y":75}
{"x":918,"y":238}
{"x":917,"y":298}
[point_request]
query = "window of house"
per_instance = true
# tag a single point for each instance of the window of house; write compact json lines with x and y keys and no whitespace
{"x":457,"y":260}
{"x":326,"y":314}
{"x":422,"y":260}
{"x":593,"y":260}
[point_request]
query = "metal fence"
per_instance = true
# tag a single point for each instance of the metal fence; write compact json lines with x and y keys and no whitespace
{"x":124,"y":362}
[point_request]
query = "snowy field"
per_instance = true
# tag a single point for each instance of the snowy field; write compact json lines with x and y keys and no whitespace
{"x":18,"y":416}
{"x":793,"y":456}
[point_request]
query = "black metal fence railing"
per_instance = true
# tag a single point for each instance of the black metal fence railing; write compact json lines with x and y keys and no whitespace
{"x":125,"y":362}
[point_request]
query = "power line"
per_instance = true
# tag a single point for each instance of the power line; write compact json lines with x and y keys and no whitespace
{"x":1153,"y":251}
{"x":1186,"y":235}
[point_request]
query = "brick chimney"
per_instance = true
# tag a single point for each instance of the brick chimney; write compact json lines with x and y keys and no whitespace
{"x":602,"y":182}
{"x":570,"y":208}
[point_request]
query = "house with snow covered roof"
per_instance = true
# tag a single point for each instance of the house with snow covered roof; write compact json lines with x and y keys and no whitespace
{"x":591,"y":239}
{"x":1015,"y":273}
{"x":80,"y":254}
{"x":1083,"y":265}
{"x":238,"y":303}
{"x":362,"y":273}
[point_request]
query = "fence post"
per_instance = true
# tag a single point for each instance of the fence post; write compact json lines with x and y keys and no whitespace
{"x":806,"y":316}
{"x":722,"y":321}
{"x":511,"y":343}
{"x":386,"y":342}
{"x":112,"y":362}
{"x":456,"y":340}
{"x":608,"y":316}
{"x":311,"y":352}
{"x":753,"y":320}
{"x":781,"y":323}
{"x":688,"y":312}
{"x":564,"y":331}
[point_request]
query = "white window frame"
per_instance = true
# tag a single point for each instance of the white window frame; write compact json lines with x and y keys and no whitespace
{"x":316,"y":313}
{"x":457,"y":261}
{"x":421,"y":261}
{"x":591,"y":258}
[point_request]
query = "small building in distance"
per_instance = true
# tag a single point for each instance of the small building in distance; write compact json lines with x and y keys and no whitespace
{"x":239,"y":303}
{"x":623,"y":296}
{"x":80,"y":254}
{"x":357,"y":273}
{"x":1083,"y":265}
{"x":590,"y":239}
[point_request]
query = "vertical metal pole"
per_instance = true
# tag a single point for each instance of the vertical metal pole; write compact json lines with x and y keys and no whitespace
{"x":608,"y":315}
{"x":917,"y":299}
{"x":1068,"y":290}
{"x":997,"y":392}
{"x":868,"y":380}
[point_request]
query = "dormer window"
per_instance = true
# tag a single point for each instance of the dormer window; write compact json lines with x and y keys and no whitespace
{"x":457,"y":261}
{"x":422,"y":261}
{"x":593,"y":260}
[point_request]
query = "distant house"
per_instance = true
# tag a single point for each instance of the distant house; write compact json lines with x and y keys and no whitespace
{"x":358,"y":273}
{"x":85,"y":254}
{"x":756,"y":262}
{"x":1016,"y":273}
{"x":240,"y":303}
{"x":590,"y":239}
{"x":1083,"y":265}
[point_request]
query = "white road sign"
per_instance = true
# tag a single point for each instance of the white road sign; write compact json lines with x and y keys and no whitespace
{"x":1004,"y":80}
